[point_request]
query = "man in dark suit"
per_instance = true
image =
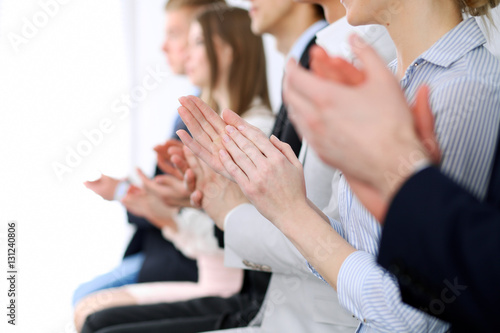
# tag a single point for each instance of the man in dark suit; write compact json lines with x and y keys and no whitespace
{"x":207,"y":314}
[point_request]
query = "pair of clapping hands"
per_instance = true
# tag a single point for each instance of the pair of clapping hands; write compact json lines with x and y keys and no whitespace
{"x":203,"y":188}
{"x":356,"y":119}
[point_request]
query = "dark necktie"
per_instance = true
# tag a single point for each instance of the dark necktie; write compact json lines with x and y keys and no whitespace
{"x":283,"y":128}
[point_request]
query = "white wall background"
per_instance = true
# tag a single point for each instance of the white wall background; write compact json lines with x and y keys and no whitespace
{"x":62,"y":80}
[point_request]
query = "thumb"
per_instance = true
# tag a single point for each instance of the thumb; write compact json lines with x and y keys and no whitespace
{"x":196,"y":198}
{"x":424,"y":123}
{"x":286,"y":150}
{"x":231,"y":118}
{"x":373,"y":65}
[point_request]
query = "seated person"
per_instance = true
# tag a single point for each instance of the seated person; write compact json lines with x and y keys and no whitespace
{"x":216,"y":63}
{"x":150,"y":257}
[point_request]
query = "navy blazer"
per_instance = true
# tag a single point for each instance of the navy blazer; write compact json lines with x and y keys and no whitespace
{"x":443,"y":245}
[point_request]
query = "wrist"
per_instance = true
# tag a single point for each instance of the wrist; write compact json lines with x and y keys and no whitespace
{"x":219,"y":212}
{"x":409,"y":161}
{"x":290,"y":221}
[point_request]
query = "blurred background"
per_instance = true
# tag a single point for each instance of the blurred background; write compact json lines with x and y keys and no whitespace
{"x":69,"y":68}
{"x":66,"y":69}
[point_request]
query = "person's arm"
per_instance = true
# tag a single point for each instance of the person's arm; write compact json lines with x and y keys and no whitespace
{"x":455,"y":271}
{"x":269,"y":175}
{"x":252,"y":242}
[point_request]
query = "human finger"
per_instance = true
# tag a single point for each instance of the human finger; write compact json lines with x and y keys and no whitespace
{"x":176,"y":151}
{"x":247,"y":146}
{"x":286,"y":150}
{"x":192,"y":108}
{"x":424,"y":123}
{"x":239,"y":156}
{"x":234,"y":170}
{"x":210,"y":115}
{"x":334,"y":68}
{"x":190,"y":180}
{"x":252,"y":133}
{"x":180,"y":163}
{"x":193,"y":163}
{"x":194,"y":146}
{"x":168,"y":168}
{"x":196,"y":199}
{"x":372,"y":63}
{"x":198,"y":132}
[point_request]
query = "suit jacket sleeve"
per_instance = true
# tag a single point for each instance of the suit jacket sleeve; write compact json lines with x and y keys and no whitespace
{"x":252,"y":242}
{"x":444,"y":248}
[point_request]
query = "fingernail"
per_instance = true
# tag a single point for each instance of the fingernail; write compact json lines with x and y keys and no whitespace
{"x":225,"y":138}
{"x":229,"y":129}
{"x":241,"y":127}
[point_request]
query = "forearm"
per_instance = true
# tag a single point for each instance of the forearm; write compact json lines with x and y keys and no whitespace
{"x":318,"y":211}
{"x":250,"y":237}
{"x":321,"y":245}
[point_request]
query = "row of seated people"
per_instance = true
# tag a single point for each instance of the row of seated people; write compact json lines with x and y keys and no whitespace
{"x":286,"y":205}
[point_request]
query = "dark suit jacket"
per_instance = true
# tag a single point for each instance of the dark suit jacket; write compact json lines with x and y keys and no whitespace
{"x":163,"y":262}
{"x":444,"y":248}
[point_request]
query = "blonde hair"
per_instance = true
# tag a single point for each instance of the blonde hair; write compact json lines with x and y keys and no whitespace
{"x":477,"y":7}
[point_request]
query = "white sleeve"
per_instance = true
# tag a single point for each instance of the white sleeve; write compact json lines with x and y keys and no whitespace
{"x":194,"y":234}
{"x":253,"y":242}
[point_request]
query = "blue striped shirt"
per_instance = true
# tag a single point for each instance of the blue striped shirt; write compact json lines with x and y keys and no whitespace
{"x":465,"y":98}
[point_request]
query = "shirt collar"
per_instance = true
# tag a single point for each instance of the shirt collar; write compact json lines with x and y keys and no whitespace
{"x":463,"y":38}
{"x":300,"y":44}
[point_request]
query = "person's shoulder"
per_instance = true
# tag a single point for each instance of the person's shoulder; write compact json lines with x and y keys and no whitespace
{"x":477,"y":70}
{"x":260,"y":116}
{"x":257,"y":109}
{"x":481,"y":63}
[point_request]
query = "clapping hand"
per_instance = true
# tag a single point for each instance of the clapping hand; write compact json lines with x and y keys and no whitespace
{"x":342,"y":111}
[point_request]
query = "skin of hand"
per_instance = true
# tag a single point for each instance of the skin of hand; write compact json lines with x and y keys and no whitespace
{"x":365,"y":129}
{"x":272,"y":178}
{"x":215,"y":194}
{"x":267,"y":170}
{"x":164,"y":153}
{"x":147,"y":205}
{"x":340,"y":71}
{"x":135,"y":201}
{"x":170,"y":189}
{"x":207,"y":129}
{"x":104,"y":186}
